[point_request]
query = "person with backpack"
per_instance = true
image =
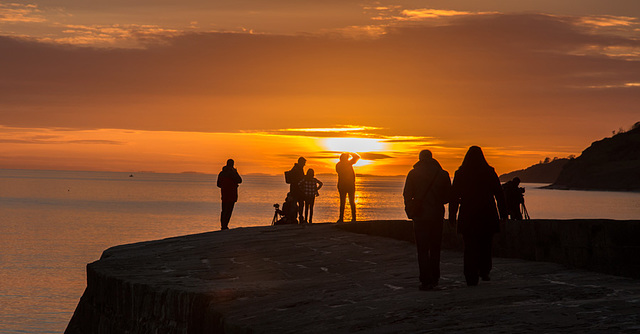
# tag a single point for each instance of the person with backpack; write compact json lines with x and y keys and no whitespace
{"x":426,"y":190}
{"x":293,"y":177}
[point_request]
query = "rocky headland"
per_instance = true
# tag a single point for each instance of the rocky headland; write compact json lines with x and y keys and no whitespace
{"x":608,"y":164}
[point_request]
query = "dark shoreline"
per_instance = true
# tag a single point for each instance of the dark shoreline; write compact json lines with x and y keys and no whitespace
{"x":560,"y":187}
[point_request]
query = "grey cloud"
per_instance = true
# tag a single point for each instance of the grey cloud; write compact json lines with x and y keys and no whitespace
{"x":41,"y":141}
{"x":493,"y":65}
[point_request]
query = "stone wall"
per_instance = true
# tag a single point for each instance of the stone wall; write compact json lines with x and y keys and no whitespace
{"x":607,"y":246}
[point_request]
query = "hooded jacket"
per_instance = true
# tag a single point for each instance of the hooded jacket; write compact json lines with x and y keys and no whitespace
{"x":425,"y":173}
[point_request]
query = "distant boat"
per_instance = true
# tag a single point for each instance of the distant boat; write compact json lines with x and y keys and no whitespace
{"x":131,"y":175}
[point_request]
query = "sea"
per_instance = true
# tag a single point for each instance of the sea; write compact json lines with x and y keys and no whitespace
{"x":52,"y":223}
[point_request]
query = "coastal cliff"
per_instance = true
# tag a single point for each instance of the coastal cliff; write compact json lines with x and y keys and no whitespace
{"x":323,"y":279}
{"x":608,"y":164}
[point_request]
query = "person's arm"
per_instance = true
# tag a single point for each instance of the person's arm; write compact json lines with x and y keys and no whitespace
{"x":499,"y":196}
{"x":454,"y":201}
{"x":219,"y":181}
{"x":354,"y":158}
{"x":238,"y":179}
{"x":408,"y":191}
{"x":319,"y":184}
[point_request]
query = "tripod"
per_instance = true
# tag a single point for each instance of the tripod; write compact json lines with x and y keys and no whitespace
{"x":525,"y":213}
{"x":275,"y":214}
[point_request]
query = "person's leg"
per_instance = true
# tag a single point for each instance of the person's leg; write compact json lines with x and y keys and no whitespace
{"x":343,"y":199}
{"x":300,"y":209}
{"x":306,"y":211}
{"x":225,"y":215}
{"x":471,"y":259}
{"x":352,"y":204}
{"x":312,"y":201}
{"x":434,"y":245}
{"x":485,"y":261}
{"x":422,"y":247}
{"x":517,"y":215}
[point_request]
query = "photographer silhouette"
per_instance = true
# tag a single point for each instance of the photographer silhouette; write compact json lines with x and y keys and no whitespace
{"x":514,"y":196}
{"x":288,"y":214}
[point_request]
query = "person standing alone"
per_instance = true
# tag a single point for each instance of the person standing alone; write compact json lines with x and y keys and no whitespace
{"x":426,"y":191}
{"x":347,"y":183}
{"x":228,"y":181}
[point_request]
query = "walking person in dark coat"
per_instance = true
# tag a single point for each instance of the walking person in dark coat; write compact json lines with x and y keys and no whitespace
{"x":476,"y":190}
{"x":426,"y":190}
{"x":296,"y":174}
{"x":228,"y":181}
{"x":347,"y":183}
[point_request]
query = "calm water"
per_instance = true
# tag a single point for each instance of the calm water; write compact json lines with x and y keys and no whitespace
{"x":52,"y":223}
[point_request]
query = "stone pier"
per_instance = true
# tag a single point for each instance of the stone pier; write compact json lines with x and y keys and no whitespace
{"x":322,"y":278}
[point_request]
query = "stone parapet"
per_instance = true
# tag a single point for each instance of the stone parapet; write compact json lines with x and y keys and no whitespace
{"x":608,"y":246}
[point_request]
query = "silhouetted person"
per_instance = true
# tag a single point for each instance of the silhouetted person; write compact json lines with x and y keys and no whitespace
{"x":347,"y":183}
{"x":476,"y":189}
{"x":289,"y":212}
{"x":296,"y":174}
{"x":309,"y":186}
{"x":514,"y":196}
{"x":427,"y":186}
{"x":228,"y":180}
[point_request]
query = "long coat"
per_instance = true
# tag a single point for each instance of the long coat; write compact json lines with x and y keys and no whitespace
{"x":476,"y":193}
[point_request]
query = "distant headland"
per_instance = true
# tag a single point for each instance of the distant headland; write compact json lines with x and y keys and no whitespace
{"x":609,"y":164}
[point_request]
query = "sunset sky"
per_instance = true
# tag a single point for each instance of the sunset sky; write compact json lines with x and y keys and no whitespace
{"x":183,"y":85}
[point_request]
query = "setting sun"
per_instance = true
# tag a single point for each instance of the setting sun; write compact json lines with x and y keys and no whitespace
{"x":354,"y":145}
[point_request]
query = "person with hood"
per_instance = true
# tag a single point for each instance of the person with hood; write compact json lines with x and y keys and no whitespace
{"x":293,"y":177}
{"x":347,"y":183}
{"x":228,"y":181}
{"x":476,"y":190}
{"x":426,"y":190}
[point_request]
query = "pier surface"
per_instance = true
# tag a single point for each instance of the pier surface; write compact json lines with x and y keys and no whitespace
{"x":322,"y":279}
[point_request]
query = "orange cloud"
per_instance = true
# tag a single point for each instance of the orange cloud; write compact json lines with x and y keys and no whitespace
{"x":609,"y":21}
{"x":417,"y":14}
{"x":20,"y":13}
